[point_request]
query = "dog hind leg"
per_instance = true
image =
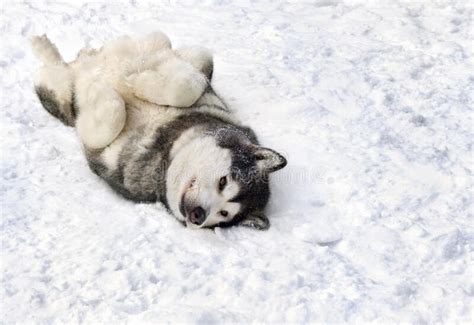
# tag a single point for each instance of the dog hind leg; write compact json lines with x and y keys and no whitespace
{"x":54,"y":81}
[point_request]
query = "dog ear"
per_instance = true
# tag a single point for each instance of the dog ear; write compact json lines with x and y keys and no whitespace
{"x":256,"y":220}
{"x":269,"y":160}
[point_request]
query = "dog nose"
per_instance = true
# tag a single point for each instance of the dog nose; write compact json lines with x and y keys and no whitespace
{"x":197,"y":216}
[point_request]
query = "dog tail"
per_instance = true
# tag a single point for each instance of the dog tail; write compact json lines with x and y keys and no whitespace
{"x":54,"y":81}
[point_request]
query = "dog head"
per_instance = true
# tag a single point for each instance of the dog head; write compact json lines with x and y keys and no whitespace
{"x":221,"y":179}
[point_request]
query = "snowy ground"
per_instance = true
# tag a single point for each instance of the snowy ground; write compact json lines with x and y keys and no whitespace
{"x":372,"y":220}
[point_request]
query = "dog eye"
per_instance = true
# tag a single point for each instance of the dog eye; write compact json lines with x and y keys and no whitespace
{"x":222,"y":183}
{"x":224,"y":213}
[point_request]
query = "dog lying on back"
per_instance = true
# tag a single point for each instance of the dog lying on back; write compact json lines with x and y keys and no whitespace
{"x":153,"y":128}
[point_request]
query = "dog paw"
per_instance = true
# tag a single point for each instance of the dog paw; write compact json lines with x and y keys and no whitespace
{"x":147,"y":85}
{"x":185,"y":88}
{"x":154,"y":42}
{"x":99,"y":127}
{"x":199,"y":57}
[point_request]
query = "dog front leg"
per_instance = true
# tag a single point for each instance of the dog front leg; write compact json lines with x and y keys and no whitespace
{"x":101,"y":116}
{"x":172,"y":82}
{"x":199,"y":57}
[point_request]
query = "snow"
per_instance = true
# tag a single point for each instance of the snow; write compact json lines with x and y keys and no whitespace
{"x":372,"y":220}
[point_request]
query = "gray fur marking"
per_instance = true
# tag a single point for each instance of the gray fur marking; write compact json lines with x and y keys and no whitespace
{"x":141,"y":175}
{"x":65,"y":113}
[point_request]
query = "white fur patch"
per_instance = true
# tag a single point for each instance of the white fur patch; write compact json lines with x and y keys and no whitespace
{"x":196,"y":170}
{"x":183,"y":140}
{"x":111,"y":154}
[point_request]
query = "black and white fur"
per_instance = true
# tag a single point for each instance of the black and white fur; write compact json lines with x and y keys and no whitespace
{"x":153,"y":128}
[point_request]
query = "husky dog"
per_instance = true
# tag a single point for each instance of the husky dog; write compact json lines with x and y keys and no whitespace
{"x":153,"y":128}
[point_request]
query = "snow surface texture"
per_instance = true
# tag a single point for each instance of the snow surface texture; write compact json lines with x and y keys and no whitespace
{"x":371,"y":221}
